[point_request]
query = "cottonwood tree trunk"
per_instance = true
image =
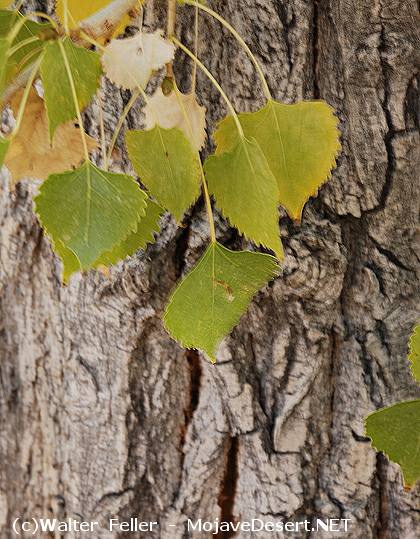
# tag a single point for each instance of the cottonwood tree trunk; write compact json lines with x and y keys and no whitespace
{"x":103,"y":415}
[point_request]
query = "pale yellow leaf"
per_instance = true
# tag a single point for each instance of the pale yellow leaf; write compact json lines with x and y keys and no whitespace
{"x":79,"y":10}
{"x":130,"y":62}
{"x":177,"y":110}
{"x":31,"y":154}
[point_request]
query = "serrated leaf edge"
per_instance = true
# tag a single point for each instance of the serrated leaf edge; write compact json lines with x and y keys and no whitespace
{"x":378,"y":450}
{"x":53,"y":243}
{"x":190,"y":346}
{"x":195,"y":165}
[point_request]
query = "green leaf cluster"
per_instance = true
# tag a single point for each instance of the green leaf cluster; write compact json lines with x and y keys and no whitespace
{"x":277,"y":156}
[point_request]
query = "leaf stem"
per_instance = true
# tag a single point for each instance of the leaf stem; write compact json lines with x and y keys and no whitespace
{"x":203,"y":177}
{"x":75,"y":99}
{"x":22,"y":44}
{"x":214,"y":82}
{"x":66,"y":17}
{"x":236,"y":34}
{"x":102,"y":128}
{"x":170,"y":29}
{"x":25,"y":96}
{"x":120,"y":124}
{"x":194,"y":73}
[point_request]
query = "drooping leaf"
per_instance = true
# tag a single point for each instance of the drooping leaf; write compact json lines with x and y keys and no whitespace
{"x":147,"y":227}
{"x":4,"y":146}
{"x":300,"y":142}
{"x":31,"y":154}
{"x":211,"y":299}
{"x":246,"y":192}
{"x":414,"y":355}
{"x":177,"y":110}
{"x":79,"y":10}
{"x":89,"y":210}
{"x":167,"y":165}
{"x":396,"y":432}
{"x":85,"y":67}
{"x":23,"y":52}
{"x":130,"y":62}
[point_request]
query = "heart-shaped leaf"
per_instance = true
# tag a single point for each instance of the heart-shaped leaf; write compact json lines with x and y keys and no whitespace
{"x":130,"y":62}
{"x":88,"y":211}
{"x":300,"y":142}
{"x":246,"y":192}
{"x":167,"y":165}
{"x":85,"y":70}
{"x":211,"y":299}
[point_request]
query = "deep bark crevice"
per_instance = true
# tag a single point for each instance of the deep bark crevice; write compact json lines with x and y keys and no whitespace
{"x":226,"y":500}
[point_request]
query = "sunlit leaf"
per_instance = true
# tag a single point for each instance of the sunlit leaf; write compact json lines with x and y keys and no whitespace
{"x":177,"y":110}
{"x":396,"y":432}
{"x":29,"y":159}
{"x":211,"y":299}
{"x":88,"y":211}
{"x":79,"y":10}
{"x":130,"y":62}
{"x":85,"y":67}
{"x":246,"y":192}
{"x":167,"y":165}
{"x":300,"y":142}
{"x":147,"y":228}
{"x":414,"y":355}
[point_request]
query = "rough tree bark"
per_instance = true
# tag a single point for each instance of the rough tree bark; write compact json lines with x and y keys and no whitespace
{"x":101,"y":414}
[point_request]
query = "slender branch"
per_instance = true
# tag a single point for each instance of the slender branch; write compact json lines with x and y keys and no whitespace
{"x":236,"y":34}
{"x":203,"y":177}
{"x":214,"y":82}
{"x":75,"y":99}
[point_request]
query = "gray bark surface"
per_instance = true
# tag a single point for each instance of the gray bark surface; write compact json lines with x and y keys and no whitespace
{"x":103,"y":415}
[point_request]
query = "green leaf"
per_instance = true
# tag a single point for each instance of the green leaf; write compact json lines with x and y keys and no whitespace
{"x":211,"y":299}
{"x":85,"y":67}
{"x":300,"y":142}
{"x":88,"y":211}
{"x":4,"y":146}
{"x":167,"y":165}
{"x":145,"y":232}
{"x":414,"y":355}
{"x":396,"y":432}
{"x":246,"y":192}
{"x":25,"y":52}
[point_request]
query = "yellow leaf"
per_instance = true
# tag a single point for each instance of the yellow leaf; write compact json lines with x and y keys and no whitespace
{"x":130,"y":62}
{"x":31,"y":154}
{"x":80,"y":10}
{"x":177,"y":110}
